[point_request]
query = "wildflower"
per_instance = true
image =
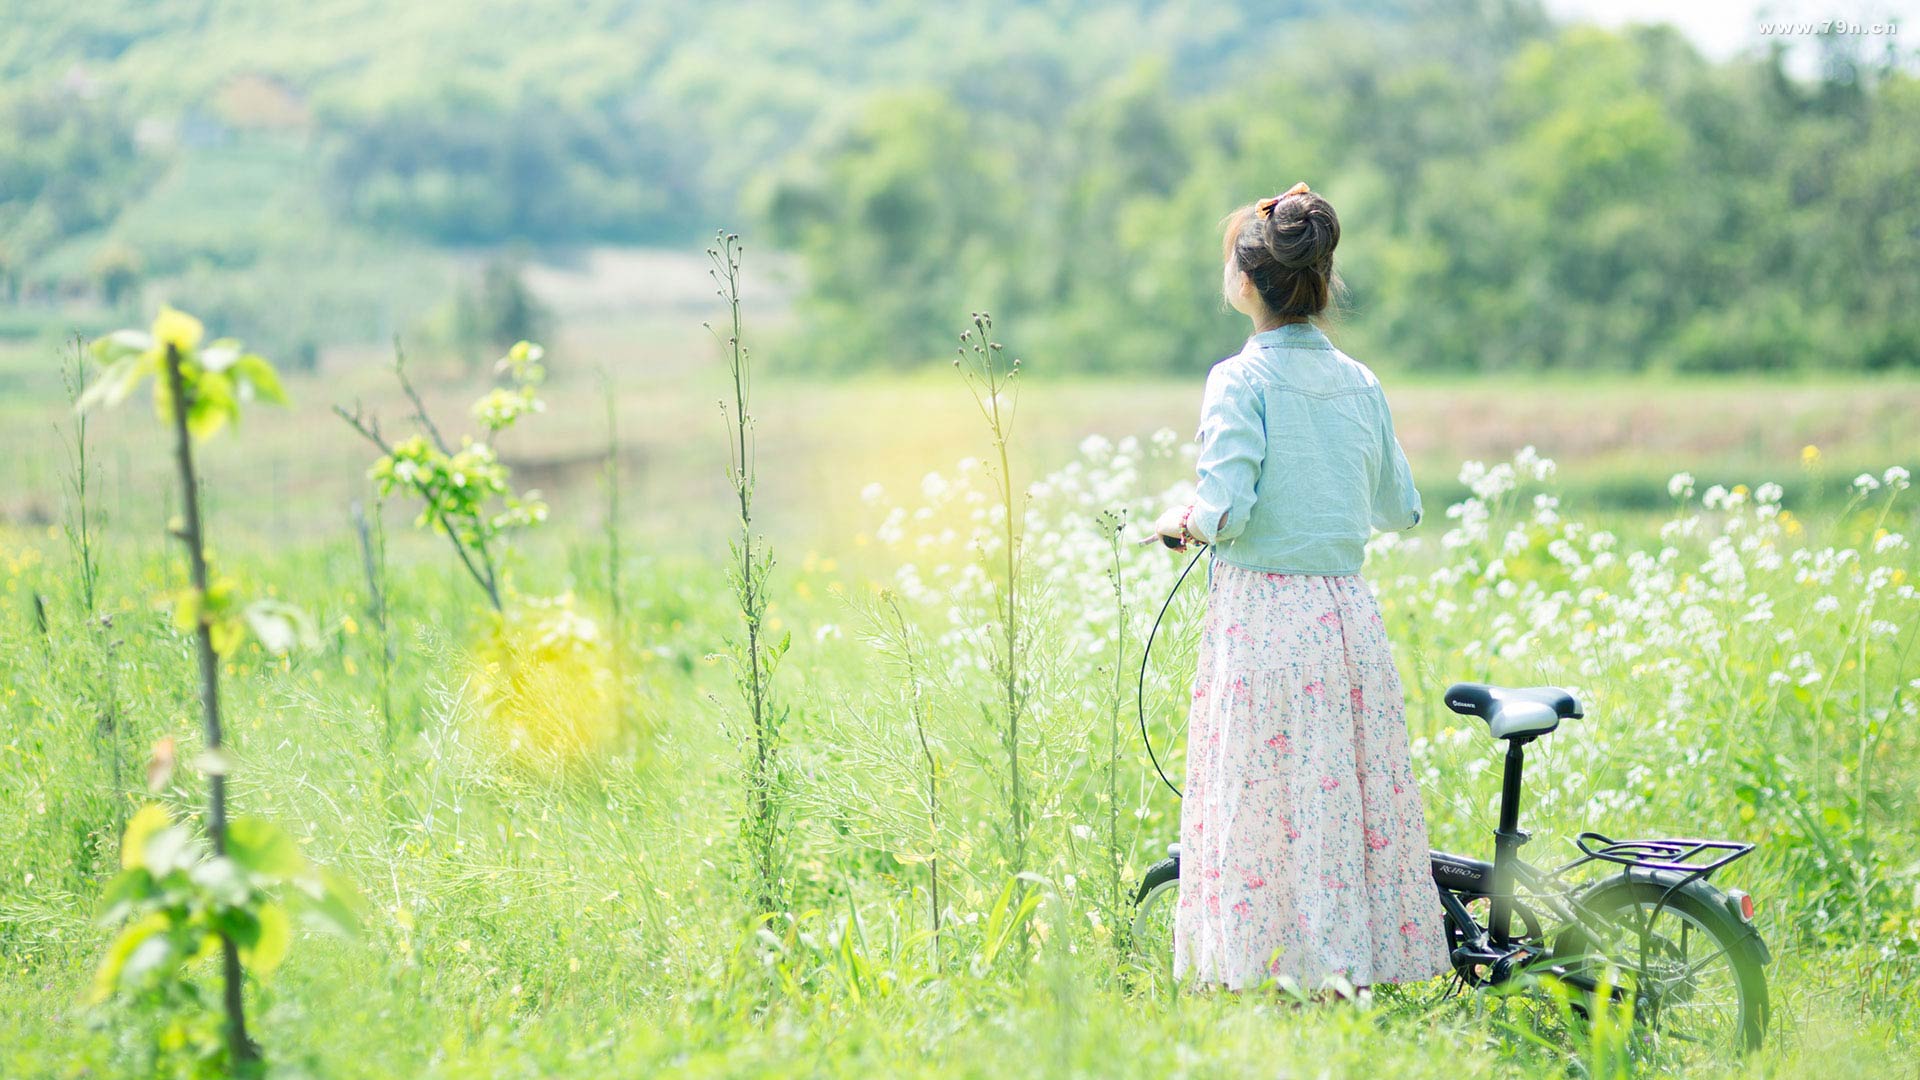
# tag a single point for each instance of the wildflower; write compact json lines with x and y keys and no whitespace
{"x":1681,"y":486}
{"x":872,"y":494}
{"x":1494,"y":482}
{"x":1866,"y":482}
{"x":1896,"y":477}
{"x":1809,"y":455}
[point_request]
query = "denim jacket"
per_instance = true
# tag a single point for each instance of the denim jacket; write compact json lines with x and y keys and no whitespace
{"x":1298,"y":460}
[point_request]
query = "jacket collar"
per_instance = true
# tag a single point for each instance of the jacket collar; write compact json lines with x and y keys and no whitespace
{"x":1297,"y":334}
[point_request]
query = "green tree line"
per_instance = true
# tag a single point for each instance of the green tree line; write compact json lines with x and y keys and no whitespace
{"x":1565,"y":199}
{"x":1516,"y":194}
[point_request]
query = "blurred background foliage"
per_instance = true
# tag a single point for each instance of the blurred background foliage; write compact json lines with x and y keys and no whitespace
{"x":1517,"y":194}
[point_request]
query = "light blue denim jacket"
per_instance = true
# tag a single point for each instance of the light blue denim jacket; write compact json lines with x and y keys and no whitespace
{"x":1297,"y":452}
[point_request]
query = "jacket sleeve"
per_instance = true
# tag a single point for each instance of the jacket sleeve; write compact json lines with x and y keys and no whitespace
{"x":1233,"y":444}
{"x":1396,"y":502}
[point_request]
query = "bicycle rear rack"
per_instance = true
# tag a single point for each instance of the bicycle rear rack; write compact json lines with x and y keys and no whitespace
{"x":1695,"y":858}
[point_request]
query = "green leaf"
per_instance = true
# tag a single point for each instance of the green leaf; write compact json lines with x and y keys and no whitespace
{"x":253,"y":372}
{"x":261,"y":847}
{"x":153,"y":953}
{"x":213,"y":405}
{"x":179,"y":329}
{"x":120,"y":380}
{"x":169,"y":850}
{"x":114,"y":965}
{"x":220,"y":355}
{"x":110,"y":388}
{"x":186,"y":608}
{"x":227,"y":635}
{"x":221,"y":878}
{"x":120,"y":345}
{"x":122,"y":893}
{"x":270,"y":945}
{"x":133,"y":845}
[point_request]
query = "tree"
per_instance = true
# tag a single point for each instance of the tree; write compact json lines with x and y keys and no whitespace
{"x":174,"y":899}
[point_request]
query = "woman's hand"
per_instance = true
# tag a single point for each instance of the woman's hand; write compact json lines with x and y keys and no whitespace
{"x":1171,"y":528}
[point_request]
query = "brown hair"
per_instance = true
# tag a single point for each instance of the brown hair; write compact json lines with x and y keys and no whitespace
{"x":1284,"y":245}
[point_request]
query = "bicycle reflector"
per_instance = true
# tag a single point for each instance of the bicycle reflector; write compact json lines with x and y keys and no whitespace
{"x":1740,"y":905}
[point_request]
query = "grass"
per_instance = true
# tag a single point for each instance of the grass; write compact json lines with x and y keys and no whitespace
{"x":546,"y":904}
{"x":1617,"y":439}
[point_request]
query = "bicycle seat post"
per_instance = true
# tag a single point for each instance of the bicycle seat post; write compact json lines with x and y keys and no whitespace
{"x":1506,"y":841}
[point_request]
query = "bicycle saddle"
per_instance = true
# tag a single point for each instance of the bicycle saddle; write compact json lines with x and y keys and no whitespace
{"x":1514,"y":713}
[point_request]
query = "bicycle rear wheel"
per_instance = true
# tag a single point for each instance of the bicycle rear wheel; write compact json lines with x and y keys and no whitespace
{"x":1694,"y":972}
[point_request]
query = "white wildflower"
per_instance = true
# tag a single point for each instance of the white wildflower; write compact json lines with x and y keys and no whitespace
{"x":1529,"y":461}
{"x":1681,"y":486}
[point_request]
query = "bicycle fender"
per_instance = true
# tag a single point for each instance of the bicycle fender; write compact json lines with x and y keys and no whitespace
{"x":1700,"y":889}
{"x":1158,"y":874}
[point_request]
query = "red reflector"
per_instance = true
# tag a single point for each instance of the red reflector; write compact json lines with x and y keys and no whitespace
{"x":1746,"y":907}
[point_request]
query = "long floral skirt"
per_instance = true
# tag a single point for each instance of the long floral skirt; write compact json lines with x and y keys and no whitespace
{"x":1303,"y":842}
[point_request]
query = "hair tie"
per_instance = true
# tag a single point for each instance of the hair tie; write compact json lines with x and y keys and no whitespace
{"x":1265,"y":207}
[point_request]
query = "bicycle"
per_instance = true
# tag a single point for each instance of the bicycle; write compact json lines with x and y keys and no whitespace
{"x":1657,"y":935}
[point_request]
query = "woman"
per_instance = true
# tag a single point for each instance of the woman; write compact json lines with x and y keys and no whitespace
{"x":1304,"y":846}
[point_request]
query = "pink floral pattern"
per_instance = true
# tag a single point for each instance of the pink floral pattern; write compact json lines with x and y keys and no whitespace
{"x":1303,"y":841}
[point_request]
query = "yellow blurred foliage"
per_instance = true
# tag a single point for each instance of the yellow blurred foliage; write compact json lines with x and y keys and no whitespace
{"x":548,"y":683}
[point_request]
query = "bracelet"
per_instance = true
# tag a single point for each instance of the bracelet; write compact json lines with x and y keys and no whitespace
{"x":1186,"y":535}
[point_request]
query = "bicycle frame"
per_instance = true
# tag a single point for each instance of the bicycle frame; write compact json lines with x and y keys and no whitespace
{"x":1495,"y":945}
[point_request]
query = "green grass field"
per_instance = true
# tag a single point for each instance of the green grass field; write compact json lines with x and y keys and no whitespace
{"x":549,"y":869}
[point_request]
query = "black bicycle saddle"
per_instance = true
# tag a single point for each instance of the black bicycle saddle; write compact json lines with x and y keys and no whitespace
{"x":1511,"y":712}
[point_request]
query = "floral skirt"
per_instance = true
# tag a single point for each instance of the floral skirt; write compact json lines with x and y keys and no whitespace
{"x":1303,"y":842}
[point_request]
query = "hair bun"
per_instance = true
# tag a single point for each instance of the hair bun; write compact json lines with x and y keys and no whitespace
{"x":1284,"y":244}
{"x":1302,"y":230}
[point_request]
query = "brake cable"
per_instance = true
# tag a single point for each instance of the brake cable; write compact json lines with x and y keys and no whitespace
{"x":1146,"y":654}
